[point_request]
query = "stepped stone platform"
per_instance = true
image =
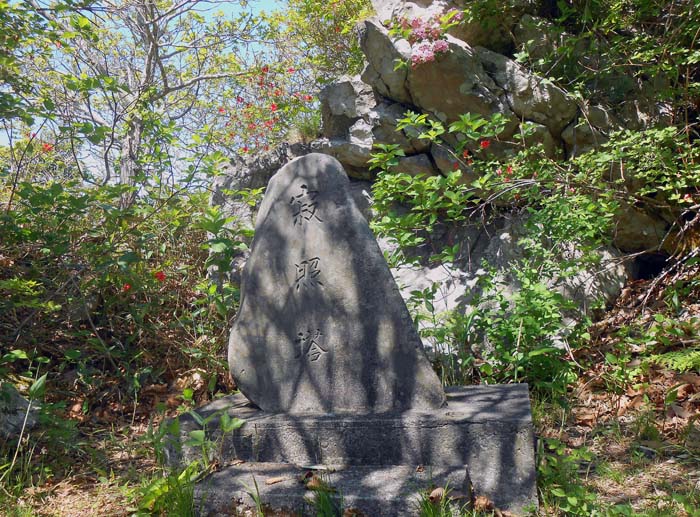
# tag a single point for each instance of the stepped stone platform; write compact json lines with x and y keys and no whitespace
{"x":334,"y":380}
{"x":481,"y":440}
{"x":373,"y":490}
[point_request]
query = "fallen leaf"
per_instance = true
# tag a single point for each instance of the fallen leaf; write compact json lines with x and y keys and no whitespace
{"x":483,"y":504}
{"x":437,"y":495}
{"x":272,"y":481}
{"x":456,"y":495}
{"x":684,"y":391}
{"x":691,"y":378}
{"x":585,"y":417}
{"x":316,"y":483}
{"x":679,"y":411}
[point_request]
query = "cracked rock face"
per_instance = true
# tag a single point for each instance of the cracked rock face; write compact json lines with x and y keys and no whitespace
{"x":530,"y":97}
{"x":360,"y":112}
{"x":494,"y":34}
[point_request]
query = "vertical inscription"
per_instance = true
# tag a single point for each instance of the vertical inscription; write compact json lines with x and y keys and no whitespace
{"x":307,"y":344}
{"x":304,"y":206}
{"x":307,"y":273}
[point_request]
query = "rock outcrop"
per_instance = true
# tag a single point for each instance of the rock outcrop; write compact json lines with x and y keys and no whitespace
{"x":359,"y":112}
{"x":474,"y":75}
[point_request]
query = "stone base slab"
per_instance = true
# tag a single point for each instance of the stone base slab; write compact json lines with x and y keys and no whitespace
{"x":374,"y":491}
{"x":488,"y":429}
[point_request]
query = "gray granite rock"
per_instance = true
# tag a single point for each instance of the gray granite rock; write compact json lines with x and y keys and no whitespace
{"x":417,"y":164}
{"x":16,"y":414}
{"x":487,"y":429}
{"x":529,"y":96}
{"x":322,"y":326}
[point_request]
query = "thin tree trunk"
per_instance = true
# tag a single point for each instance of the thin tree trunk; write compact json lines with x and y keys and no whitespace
{"x":129,"y":159}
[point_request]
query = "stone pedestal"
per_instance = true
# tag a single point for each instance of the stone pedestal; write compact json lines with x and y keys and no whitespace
{"x":482,"y":442}
{"x":336,"y":381}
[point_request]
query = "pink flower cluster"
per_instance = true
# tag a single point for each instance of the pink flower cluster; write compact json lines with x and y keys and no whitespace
{"x":425,"y":51}
{"x":427,"y":36}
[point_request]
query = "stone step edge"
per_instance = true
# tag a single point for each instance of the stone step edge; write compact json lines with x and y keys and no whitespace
{"x":374,"y":490}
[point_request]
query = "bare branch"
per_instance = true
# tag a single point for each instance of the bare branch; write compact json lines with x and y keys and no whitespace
{"x":199,"y":79}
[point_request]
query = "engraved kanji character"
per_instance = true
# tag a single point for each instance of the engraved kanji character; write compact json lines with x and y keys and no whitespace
{"x":304,"y":206}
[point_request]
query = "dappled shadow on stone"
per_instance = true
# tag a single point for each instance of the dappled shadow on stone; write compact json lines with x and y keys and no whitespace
{"x":485,"y":430}
{"x":322,"y":326}
{"x":325,"y":348}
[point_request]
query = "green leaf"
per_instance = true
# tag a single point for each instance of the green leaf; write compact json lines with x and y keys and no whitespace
{"x":541,"y":351}
{"x":229,"y":424}
{"x":197,"y":417}
{"x":127,"y":259}
{"x":196,"y":438}
{"x":14,"y":355}
{"x":37,"y":389}
{"x":72,"y":354}
{"x":558,"y":492}
{"x":219,"y":245}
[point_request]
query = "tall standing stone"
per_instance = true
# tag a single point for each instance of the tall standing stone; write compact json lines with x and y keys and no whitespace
{"x":321,"y":325}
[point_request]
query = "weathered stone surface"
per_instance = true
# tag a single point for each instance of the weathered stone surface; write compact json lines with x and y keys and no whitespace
{"x":354,"y":119}
{"x":387,"y":115}
{"x":354,"y":147}
{"x":581,"y":137}
{"x":382,"y":54}
{"x":465,"y":87}
{"x":541,"y":135}
{"x":322,"y":326}
{"x":487,"y":429}
{"x":15,"y":412}
{"x":445,"y":159}
{"x":493,"y":31}
{"x":392,"y":491}
{"x":529,"y":96}
{"x":342,"y":103}
{"x":601,"y":117}
{"x":635,"y":230}
{"x":417,"y":164}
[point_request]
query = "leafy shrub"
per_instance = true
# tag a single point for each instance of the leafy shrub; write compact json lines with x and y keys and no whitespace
{"x":563,"y":205}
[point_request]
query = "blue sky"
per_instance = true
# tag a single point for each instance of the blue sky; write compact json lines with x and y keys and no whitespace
{"x":255,"y":5}
{"x":208,"y":8}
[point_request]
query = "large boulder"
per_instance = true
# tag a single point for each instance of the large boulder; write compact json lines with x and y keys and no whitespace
{"x":530,"y":97}
{"x":355,"y":119}
{"x":471,"y":80}
{"x":493,"y":29}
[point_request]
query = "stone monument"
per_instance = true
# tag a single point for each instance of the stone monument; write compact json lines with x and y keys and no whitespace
{"x":336,"y":383}
{"x":322,"y":326}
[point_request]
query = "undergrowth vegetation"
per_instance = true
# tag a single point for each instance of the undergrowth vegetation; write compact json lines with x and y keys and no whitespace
{"x":109,"y":321}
